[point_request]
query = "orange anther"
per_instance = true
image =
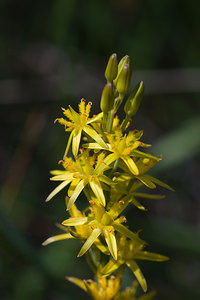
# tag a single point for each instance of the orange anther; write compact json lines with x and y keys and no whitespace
{"x":63,"y":108}
{"x":135,"y":130}
{"x":82,"y":99}
{"x":151,"y":153}
{"x":56,"y":120}
{"x":90,"y":103}
{"x":125,"y":220}
{"x":121,"y":201}
{"x":65,"y":125}
{"x":105,"y":132}
{"x":129,"y":150}
{"x":60,"y":162}
{"x":81,"y":150}
{"x":92,"y":202}
{"x":91,"y":209}
{"x":102,"y":161}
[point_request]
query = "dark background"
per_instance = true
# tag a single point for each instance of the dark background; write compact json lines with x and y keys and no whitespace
{"x":52,"y":53}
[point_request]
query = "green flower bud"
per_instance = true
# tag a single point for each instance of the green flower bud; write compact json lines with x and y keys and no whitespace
{"x":133,"y":101}
{"x":125,"y":60}
{"x":111,"y":69}
{"x":107,"y":98}
{"x":123,"y":82}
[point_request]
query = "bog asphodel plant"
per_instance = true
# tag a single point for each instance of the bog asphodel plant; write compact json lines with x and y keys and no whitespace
{"x":110,"y":168}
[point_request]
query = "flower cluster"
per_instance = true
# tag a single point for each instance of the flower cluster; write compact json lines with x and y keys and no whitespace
{"x":110,"y":167}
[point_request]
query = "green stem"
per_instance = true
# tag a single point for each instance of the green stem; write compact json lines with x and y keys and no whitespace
{"x":105,"y":120}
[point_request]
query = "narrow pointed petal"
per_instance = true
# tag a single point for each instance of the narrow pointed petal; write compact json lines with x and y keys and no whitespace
{"x":72,"y":186}
{"x":98,"y":191}
{"x":144,"y":179}
{"x":148,"y":296}
{"x":57,"y":190}
{"x":105,"y":179}
{"x":56,"y":238}
{"x":101,"y":247}
{"x":145,"y":155}
{"x":159,"y":182}
{"x":138,"y":204}
{"x":96,"y":118}
{"x":68,"y":145}
{"x":148,"y":196}
{"x":125,"y":231}
{"x":138,"y":274}
{"x":94,"y":146}
{"x":62,"y":177}
{"x":131,"y":165}
{"x":111,"y":242}
{"x":76,"y":141}
{"x":110,"y":267}
{"x":76,"y":193}
{"x":93,"y":134}
{"x":80,"y":283}
{"x":93,"y":236}
{"x":75,"y":221}
{"x":145,"y":255}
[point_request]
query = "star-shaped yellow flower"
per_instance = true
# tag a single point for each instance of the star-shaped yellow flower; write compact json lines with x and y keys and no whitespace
{"x":80,"y":122}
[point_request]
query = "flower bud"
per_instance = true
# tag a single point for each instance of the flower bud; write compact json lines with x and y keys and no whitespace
{"x":124,"y":79}
{"x":107,"y":98}
{"x":133,"y":101}
{"x":125,"y":60}
{"x":111,"y":69}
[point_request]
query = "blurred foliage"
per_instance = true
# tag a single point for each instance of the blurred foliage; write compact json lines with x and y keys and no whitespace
{"x":51,"y":54}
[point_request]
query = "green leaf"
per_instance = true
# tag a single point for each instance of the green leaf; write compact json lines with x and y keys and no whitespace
{"x":75,"y":221}
{"x":93,"y":134}
{"x":138,"y":274}
{"x":110,"y":267}
{"x":93,"y":236}
{"x":111,"y":242}
{"x":76,"y":193}
{"x":57,"y":190}
{"x":56,"y":238}
{"x":96,"y":118}
{"x":77,"y":282}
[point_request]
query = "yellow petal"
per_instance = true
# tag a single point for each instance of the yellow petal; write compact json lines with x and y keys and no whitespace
{"x":76,"y":141}
{"x":111,"y":242}
{"x":93,"y":134}
{"x":56,"y":238}
{"x":138,"y":274}
{"x":75,"y":221}
{"x":159,"y":182}
{"x":98,"y":191}
{"x":131,"y":165}
{"x":93,"y":236}
{"x":68,"y":145}
{"x":57,"y":190}
{"x":77,"y":282}
{"x":96,"y":118}
{"x":110,"y":267}
{"x":125,"y":231}
{"x":76,"y":193}
{"x":150,"y":256}
{"x":144,"y":179}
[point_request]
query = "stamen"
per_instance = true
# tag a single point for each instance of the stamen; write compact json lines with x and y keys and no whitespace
{"x":63,"y":108}
{"x":56,"y":120}
{"x":92,"y":202}
{"x":125,"y":220}
{"x":91,"y":209}
{"x":60,"y":161}
{"x":90,"y":103}
{"x":121,"y":201}
{"x":82,"y":99}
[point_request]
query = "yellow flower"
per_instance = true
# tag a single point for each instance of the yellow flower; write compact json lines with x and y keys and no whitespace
{"x":80,"y":122}
{"x":102,"y":222}
{"x":85,"y":170}
{"x":128,"y":252}
{"x":123,"y":147}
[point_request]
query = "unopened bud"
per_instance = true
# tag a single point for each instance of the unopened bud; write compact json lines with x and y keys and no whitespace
{"x":125,"y":60}
{"x":111,"y":69}
{"x":134,"y":100}
{"x":107,"y":98}
{"x":123,"y":82}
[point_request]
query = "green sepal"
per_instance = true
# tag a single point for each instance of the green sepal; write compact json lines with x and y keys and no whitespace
{"x":75,"y":221}
{"x":111,"y":242}
{"x":59,"y":237}
{"x":80,"y":283}
{"x":159,"y":182}
{"x":145,"y":255}
{"x":125,"y":60}
{"x":110,"y":267}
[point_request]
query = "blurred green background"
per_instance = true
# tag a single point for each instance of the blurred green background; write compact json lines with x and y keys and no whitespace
{"x":54,"y":52}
